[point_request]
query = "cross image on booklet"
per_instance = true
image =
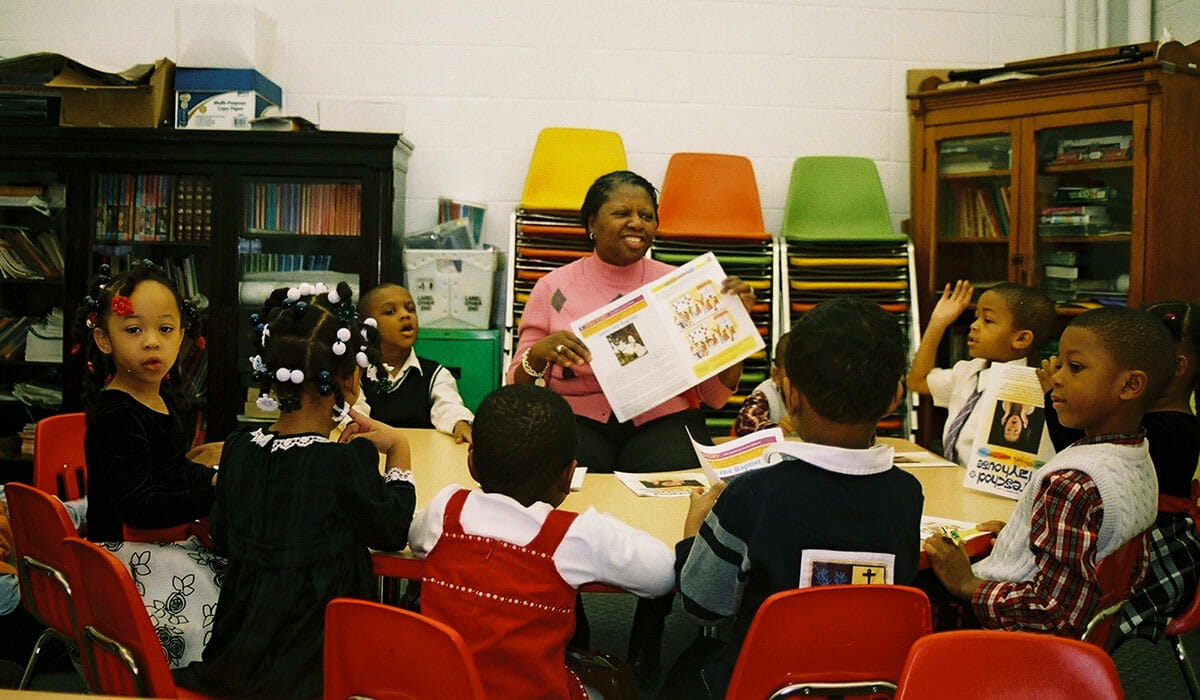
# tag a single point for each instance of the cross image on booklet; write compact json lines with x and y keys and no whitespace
{"x":666,"y":337}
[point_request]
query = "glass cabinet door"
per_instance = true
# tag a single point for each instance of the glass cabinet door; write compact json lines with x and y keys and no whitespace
{"x":292,"y":231}
{"x":1084,"y":189}
{"x":166,"y":218}
{"x":973,"y":225}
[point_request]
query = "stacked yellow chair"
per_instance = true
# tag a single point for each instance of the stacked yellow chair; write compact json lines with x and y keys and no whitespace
{"x":546,"y":232}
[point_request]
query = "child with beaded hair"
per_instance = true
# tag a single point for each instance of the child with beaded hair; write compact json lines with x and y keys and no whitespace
{"x":295,"y":511}
{"x":140,"y":473}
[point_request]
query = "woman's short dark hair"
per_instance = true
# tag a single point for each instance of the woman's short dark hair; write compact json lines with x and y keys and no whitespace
{"x":604,"y":185}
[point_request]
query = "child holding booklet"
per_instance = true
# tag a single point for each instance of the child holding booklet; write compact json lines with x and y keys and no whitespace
{"x":1085,"y":503}
{"x":837,"y":490}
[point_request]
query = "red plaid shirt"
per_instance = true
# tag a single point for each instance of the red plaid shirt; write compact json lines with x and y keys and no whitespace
{"x":1064,"y":539}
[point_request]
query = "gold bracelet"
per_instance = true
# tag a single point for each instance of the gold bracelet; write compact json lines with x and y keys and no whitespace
{"x":539,"y":378}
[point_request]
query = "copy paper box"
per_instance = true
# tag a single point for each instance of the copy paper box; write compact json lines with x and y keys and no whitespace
{"x":220,"y":35}
{"x":222,"y":98}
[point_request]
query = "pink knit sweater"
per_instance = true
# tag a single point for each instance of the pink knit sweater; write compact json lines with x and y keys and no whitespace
{"x":576,"y":290}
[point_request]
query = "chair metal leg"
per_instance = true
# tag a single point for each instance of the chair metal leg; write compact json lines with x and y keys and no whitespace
{"x":33,"y":657}
{"x":1186,"y":668}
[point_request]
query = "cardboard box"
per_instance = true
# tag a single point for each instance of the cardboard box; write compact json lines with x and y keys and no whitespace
{"x":452,"y":288}
{"x":219,"y":35}
{"x":222,"y":98}
{"x":87,"y":102}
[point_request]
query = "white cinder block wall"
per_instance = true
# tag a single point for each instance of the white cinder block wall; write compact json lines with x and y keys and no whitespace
{"x":769,"y":79}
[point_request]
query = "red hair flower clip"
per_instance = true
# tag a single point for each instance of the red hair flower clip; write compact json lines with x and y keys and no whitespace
{"x":201,"y":343}
{"x":121,"y":305}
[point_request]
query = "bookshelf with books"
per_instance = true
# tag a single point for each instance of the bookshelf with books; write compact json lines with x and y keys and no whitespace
{"x":32,"y":284}
{"x":1099,"y":188}
{"x":225,"y":213}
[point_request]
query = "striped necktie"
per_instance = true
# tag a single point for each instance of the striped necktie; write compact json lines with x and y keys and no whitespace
{"x":957,"y":424}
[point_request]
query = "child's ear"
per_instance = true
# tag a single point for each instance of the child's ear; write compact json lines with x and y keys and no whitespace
{"x":897,"y":398}
{"x":1022,"y":340}
{"x":1135,"y":384}
{"x":102,"y":340}
{"x":791,"y":396}
{"x":471,"y":461}
{"x":564,"y":480}
{"x":1182,"y":364}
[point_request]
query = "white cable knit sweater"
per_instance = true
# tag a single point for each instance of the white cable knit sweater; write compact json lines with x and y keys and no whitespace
{"x":1128,"y":489}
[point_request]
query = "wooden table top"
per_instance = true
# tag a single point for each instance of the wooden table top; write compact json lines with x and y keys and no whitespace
{"x":438,"y":462}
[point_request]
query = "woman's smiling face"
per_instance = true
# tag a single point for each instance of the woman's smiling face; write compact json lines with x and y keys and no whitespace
{"x":624,"y":226}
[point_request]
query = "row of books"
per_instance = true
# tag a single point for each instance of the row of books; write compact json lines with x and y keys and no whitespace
{"x":977,"y":210}
{"x":1084,"y":210}
{"x":307,"y":209}
{"x":12,"y":335}
{"x":1069,"y":276}
{"x":183,"y":270}
{"x":30,"y":256}
{"x":283,"y":262}
{"x":153,"y":208}
{"x":974,"y":155}
{"x":1094,"y":148}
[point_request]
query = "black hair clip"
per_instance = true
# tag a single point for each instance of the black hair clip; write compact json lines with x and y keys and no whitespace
{"x":325,"y":382}
{"x":91,"y":303}
{"x":289,"y":402}
{"x":301,"y":307}
{"x":346,"y":312}
{"x":191,"y":310}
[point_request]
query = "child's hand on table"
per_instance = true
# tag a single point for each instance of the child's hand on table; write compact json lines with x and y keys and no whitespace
{"x":388,"y":440}
{"x":700,"y":503}
{"x":951,"y":565}
{"x":462,"y":432}
{"x":992,"y":526}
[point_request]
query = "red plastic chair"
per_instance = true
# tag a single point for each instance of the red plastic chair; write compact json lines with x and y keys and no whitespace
{"x":830,"y":640}
{"x":120,"y":649}
{"x":374,"y":650}
{"x":59,"y":467}
{"x":40,"y":524}
{"x":995,"y":665}
{"x":1180,"y":625}
{"x":710,"y":195}
{"x":1115,"y":574}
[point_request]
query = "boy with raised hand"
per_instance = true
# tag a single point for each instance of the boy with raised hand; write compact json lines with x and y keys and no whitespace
{"x":503,"y":565}
{"x":836,"y":490}
{"x":1087,"y":501}
{"x":1011,"y":322}
{"x":419,"y":392}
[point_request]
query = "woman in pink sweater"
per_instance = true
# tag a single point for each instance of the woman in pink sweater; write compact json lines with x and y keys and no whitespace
{"x":620,"y":213}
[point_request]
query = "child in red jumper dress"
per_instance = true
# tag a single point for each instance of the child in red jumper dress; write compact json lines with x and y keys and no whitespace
{"x":503,"y":566}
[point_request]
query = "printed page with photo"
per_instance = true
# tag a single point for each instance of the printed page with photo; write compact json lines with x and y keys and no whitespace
{"x":1012,"y":440}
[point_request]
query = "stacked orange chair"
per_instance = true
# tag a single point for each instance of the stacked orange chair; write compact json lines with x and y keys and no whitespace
{"x":838,"y":241}
{"x":546,"y":232}
{"x":40,"y":526}
{"x":710,"y":202}
{"x":1000,"y":664}
{"x":830,"y":641}
{"x":379,"y":651}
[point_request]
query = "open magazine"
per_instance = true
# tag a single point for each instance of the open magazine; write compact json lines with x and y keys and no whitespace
{"x":663,"y":483}
{"x":727,"y":460}
{"x":667,"y":336}
{"x":1012,"y":440}
{"x":957,"y":530}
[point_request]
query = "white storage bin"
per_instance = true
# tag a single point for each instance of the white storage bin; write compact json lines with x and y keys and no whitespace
{"x":451,"y":288}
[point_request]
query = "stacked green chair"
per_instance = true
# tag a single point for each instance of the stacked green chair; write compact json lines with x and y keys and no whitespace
{"x":710,"y":202}
{"x":546,"y":232}
{"x":838,"y":240}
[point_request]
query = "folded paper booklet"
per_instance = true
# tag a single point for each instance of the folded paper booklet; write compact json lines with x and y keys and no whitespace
{"x":727,"y":460}
{"x":577,"y":478}
{"x":666,"y":337}
{"x":957,"y":530}
{"x":918,"y":457}
{"x":663,"y":483}
{"x":1011,"y":440}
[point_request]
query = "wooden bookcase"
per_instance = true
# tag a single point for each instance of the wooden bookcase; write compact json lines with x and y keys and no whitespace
{"x":991,"y":163}
{"x":231,"y":211}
